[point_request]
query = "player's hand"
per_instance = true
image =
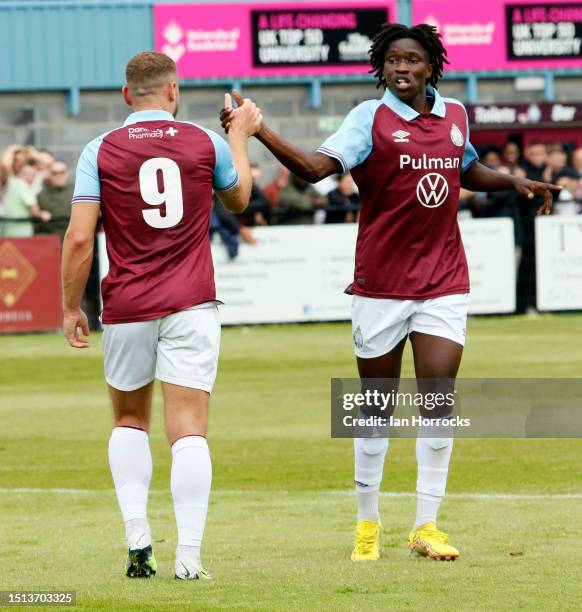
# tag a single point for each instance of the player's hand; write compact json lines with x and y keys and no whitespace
{"x":529,"y":189}
{"x":226,"y":113}
{"x":246,"y":117}
{"x":45,"y":216}
{"x":76,"y":325}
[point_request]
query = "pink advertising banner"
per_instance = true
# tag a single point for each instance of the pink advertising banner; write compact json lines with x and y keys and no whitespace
{"x":269,"y":40}
{"x":505,"y":35}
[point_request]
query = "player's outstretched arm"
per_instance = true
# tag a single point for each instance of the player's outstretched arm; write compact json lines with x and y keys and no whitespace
{"x":480,"y":178}
{"x":75,"y":268}
{"x":245,"y":121}
{"x":311,"y":167}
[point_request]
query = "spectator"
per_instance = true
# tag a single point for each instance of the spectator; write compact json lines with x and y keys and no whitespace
{"x":259,"y":210}
{"x":342,"y":200}
{"x":577,"y":165}
{"x":511,"y":155}
{"x":536,"y":157}
{"x":577,"y":160}
{"x":467,"y":204}
{"x":44,"y":160}
{"x":507,"y":204}
{"x":56,"y":198}
{"x":299,"y":201}
{"x":557,"y":162}
{"x":228,"y":227}
{"x":226,"y":224}
{"x":12,"y":160}
{"x":491,"y":157}
{"x":273,"y":190}
{"x":535,"y":164}
{"x":20,"y":203}
{"x":567,"y":202}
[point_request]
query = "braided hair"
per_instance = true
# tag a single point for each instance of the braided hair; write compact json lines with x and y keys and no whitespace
{"x":424,"y":34}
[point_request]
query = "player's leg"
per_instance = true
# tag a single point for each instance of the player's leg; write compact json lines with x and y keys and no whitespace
{"x":379,"y":329}
{"x":186,"y":413}
{"x":370,"y":452}
{"x":437,"y":339}
{"x":187,"y":363}
{"x":129,"y":351}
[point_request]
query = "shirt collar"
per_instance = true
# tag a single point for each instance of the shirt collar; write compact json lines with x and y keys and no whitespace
{"x":407,"y":112}
{"x":149,"y":115}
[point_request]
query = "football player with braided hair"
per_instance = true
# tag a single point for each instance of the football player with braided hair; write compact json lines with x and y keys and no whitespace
{"x":409,"y":153}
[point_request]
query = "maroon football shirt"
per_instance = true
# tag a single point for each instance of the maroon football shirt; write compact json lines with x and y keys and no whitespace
{"x":154,"y":178}
{"x":407,"y":167}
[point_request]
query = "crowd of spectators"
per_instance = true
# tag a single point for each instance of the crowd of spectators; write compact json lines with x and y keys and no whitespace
{"x":541,"y":162}
{"x":35,"y":192}
{"x":35,"y":198}
{"x":548,"y":162}
{"x":286,"y":200}
{"x":35,"y":195}
{"x":35,"y":187}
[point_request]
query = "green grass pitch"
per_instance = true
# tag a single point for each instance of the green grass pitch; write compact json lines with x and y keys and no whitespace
{"x":281,"y":518}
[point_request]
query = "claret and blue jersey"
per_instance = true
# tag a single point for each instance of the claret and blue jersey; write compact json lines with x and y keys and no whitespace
{"x":408,"y":169}
{"x":154,"y":178}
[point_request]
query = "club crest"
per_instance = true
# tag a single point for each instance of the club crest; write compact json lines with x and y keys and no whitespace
{"x":457,"y":136}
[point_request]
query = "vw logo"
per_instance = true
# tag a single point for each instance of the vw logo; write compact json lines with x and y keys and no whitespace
{"x":432,"y":190}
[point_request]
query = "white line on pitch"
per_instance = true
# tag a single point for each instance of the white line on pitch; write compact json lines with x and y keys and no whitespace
{"x":338,"y":493}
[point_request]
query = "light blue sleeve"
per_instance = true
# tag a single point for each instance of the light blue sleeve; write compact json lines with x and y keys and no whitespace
{"x":469,"y":155}
{"x":87,"y":186}
{"x":225,"y":175}
{"x":352,"y":143}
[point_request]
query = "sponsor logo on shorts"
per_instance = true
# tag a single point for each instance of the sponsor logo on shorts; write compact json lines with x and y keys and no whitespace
{"x":358,"y":338}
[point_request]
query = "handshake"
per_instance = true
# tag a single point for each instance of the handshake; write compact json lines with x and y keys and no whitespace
{"x":245,"y":119}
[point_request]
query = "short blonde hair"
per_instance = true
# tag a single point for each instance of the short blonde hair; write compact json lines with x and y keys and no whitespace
{"x":148,"y":71}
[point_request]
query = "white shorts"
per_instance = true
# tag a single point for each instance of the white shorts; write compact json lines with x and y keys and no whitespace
{"x":181,"y":348}
{"x":378,"y":325}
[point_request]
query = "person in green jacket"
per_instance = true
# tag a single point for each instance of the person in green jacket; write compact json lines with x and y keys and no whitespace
{"x":299,"y":200}
{"x":55,"y":197}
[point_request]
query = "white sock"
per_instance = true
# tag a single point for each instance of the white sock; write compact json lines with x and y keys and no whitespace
{"x":433,"y":456}
{"x":427,"y":507}
{"x":189,"y":556}
{"x":138,"y":533}
{"x":368,"y":504}
{"x":369,"y":456}
{"x":190,"y":484}
{"x":130,"y":460}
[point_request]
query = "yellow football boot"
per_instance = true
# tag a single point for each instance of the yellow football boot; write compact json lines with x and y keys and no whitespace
{"x":367,"y":543}
{"x":428,"y":541}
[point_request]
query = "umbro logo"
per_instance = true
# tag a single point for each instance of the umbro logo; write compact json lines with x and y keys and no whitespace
{"x":171,"y":131}
{"x":401,"y":136}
